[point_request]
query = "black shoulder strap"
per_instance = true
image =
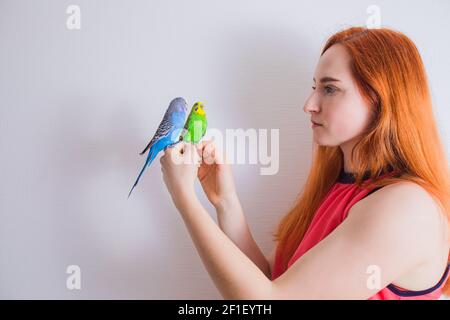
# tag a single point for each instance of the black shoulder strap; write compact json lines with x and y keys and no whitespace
{"x":372,"y":191}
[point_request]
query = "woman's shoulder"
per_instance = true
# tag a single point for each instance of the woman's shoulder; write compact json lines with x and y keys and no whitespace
{"x":403,"y":194}
{"x":404,"y":212}
{"x":415,"y":219}
{"x":403,"y":200}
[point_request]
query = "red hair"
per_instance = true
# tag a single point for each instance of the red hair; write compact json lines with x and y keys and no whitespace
{"x":390,"y":75}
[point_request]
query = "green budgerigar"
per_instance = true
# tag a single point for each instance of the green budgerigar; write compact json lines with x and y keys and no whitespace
{"x":196,"y":123}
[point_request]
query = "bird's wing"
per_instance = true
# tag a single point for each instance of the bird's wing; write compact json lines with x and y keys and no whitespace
{"x":185,"y":128}
{"x":163,"y":130}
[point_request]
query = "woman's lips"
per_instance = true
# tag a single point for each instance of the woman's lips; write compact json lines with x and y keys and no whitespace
{"x":314,"y":125}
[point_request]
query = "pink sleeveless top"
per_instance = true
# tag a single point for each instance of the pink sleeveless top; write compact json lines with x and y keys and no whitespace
{"x":332,"y":211}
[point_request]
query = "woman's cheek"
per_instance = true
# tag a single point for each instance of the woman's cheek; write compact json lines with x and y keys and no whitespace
{"x":348,"y":120}
{"x":349,"y":131}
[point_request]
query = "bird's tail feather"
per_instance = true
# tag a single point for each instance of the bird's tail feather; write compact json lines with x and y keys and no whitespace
{"x":147,"y":163}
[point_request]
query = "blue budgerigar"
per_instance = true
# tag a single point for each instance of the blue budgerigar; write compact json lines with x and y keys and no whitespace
{"x":168,"y":133}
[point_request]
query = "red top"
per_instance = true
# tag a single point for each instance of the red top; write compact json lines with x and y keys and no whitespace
{"x":332,"y":211}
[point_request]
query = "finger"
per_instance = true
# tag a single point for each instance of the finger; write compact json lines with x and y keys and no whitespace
{"x":208,"y":149}
{"x":202,"y":144}
{"x":209,"y":153}
{"x":216,"y":157}
{"x":199,"y":148}
{"x":179,"y":147}
{"x":167,"y":151}
{"x":163,"y":158}
{"x":190,"y":149}
{"x":192,"y":154}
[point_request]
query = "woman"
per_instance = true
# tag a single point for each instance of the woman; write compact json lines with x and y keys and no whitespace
{"x":372,"y":219}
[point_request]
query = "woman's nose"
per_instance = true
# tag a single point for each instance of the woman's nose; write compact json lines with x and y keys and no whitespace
{"x":311,"y":105}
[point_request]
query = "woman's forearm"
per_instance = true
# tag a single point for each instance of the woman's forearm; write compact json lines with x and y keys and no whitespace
{"x":232,"y":222}
{"x":234,"y":274}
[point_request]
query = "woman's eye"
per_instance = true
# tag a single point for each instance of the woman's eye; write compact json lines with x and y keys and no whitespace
{"x":314,"y":88}
{"x":330,"y":90}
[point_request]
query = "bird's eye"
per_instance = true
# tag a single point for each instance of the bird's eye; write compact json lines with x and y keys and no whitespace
{"x":196,"y":108}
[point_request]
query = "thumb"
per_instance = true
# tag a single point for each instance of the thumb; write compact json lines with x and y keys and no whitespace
{"x":179,"y":147}
{"x":191,"y":153}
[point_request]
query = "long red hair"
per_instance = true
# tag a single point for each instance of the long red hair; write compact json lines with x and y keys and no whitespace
{"x":390,"y":75}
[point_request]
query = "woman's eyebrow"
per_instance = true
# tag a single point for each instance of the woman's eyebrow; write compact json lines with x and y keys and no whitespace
{"x":327,"y":79}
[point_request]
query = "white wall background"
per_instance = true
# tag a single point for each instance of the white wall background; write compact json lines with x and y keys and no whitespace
{"x":76,"y":107}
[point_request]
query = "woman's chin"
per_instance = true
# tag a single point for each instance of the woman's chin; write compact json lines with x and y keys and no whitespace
{"x":324,"y":143}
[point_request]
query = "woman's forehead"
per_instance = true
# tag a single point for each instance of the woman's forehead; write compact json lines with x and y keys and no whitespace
{"x":334,"y":63}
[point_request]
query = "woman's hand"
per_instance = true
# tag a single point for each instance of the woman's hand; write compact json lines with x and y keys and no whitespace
{"x":215,"y":176}
{"x":179,"y":166}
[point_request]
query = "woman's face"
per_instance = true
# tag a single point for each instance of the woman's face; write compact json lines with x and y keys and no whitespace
{"x":335,"y":102}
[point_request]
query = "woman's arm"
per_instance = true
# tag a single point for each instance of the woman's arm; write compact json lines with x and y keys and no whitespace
{"x":391,"y":236}
{"x":232,"y":222}
{"x":216,"y":178}
{"x":383,"y":240}
{"x":234,"y":274}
